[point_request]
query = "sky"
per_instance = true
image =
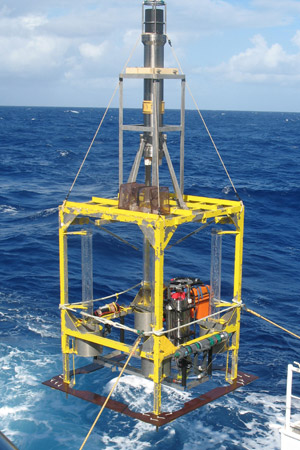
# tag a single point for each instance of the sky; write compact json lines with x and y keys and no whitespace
{"x":236,"y":54}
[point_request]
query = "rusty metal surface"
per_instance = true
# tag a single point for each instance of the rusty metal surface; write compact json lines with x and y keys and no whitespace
{"x":157,"y":420}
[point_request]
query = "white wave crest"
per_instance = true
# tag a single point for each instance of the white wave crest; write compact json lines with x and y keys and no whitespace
{"x":6,"y":209}
{"x":137,"y":393}
{"x":45,"y":213}
{"x":73,"y":111}
{"x":6,"y":411}
{"x":64,"y":153}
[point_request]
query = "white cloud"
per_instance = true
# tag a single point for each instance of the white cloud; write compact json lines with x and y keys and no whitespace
{"x":214,"y":16}
{"x":76,"y":44}
{"x":20,"y":25}
{"x":92,"y":51}
{"x":31,"y":22}
{"x":64,"y":40}
{"x":260,"y":63}
{"x":28,"y":57}
{"x":288,"y":6}
{"x":296,"y":38}
{"x":25,"y":49}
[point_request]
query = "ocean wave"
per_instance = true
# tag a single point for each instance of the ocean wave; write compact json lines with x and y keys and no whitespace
{"x":24,"y":377}
{"x":64,"y":153}
{"x":213,"y":423}
{"x":137,"y":393}
{"x":45,"y":330}
{"x":44,"y":213}
{"x":7,"y":209}
{"x":261,"y":152}
{"x":14,"y":411}
{"x":73,"y":111}
{"x":134,"y":439}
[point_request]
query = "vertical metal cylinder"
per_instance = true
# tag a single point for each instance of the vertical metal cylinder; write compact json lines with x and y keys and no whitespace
{"x":87,"y":269}
{"x":215,"y":269}
{"x":153,"y":58}
{"x":154,"y":40}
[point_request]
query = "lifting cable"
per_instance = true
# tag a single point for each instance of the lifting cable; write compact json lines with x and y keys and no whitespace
{"x":204,"y":123}
{"x":190,"y":234}
{"x":270,"y":321}
{"x":90,"y":146}
{"x":119,"y":238}
{"x":99,"y":126}
{"x":112,"y":389}
{"x":116,"y":294}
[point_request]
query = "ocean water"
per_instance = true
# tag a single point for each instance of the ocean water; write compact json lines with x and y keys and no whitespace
{"x":41,"y":151}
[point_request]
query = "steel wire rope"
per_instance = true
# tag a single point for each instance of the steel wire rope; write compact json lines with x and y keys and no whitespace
{"x":103,"y":320}
{"x":135,"y":346}
{"x":160,"y":332}
{"x":119,"y":238}
{"x":190,"y":234}
{"x":271,"y":322}
{"x":99,"y":126}
{"x":116,"y":294}
{"x":205,"y":125}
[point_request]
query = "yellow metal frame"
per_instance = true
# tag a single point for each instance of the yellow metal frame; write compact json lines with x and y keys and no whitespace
{"x":159,"y":230}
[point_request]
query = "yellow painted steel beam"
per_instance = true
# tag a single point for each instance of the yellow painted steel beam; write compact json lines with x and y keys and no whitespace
{"x":104,"y":201}
{"x":189,"y":199}
{"x":63,"y":269}
{"x":157,"y":398}
{"x":105,"y":342}
{"x":77,"y":233}
{"x":197,"y":211}
{"x":159,"y":240}
{"x":231,"y":373}
{"x":208,"y":200}
{"x":238,"y":261}
{"x":66,"y":218}
{"x":166,"y":349}
{"x":169,"y":232}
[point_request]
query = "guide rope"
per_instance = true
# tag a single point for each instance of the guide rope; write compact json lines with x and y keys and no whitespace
{"x":271,"y":322}
{"x":204,"y":123}
{"x":99,"y":126}
{"x":117,"y":294}
{"x":119,"y":238}
{"x":135,"y":346}
{"x":160,"y":332}
{"x":110,"y":322}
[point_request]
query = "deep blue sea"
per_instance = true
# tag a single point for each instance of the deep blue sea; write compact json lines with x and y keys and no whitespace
{"x":41,"y":151}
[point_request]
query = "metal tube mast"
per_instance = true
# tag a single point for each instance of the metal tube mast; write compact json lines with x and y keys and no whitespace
{"x":154,"y":39}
